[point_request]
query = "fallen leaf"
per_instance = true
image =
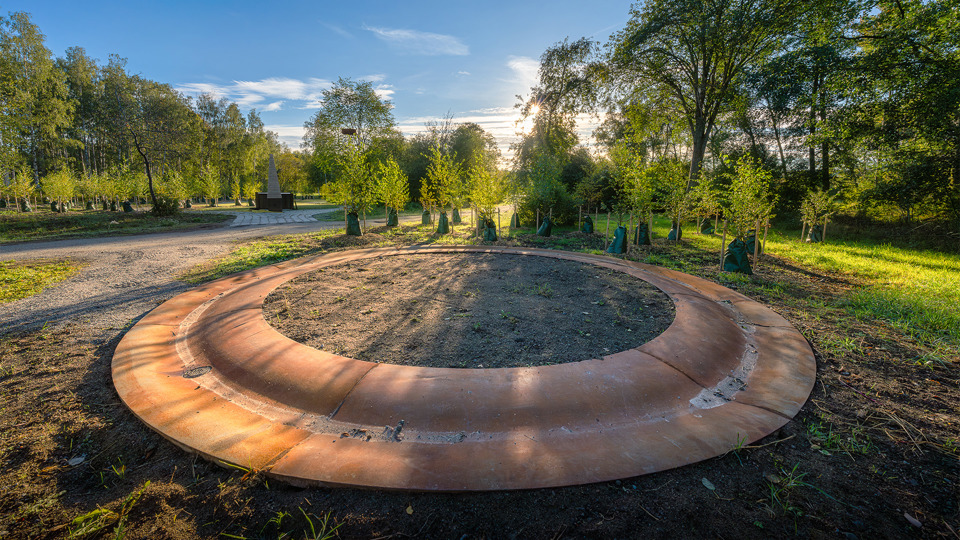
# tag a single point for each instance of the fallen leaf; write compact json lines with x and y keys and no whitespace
{"x":73,"y":462}
{"x":708,"y":484}
{"x":913,"y":521}
{"x":410,"y":509}
{"x":773,"y":479}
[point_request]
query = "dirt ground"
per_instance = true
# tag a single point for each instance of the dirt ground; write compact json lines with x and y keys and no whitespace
{"x":469,"y":310}
{"x":873,"y":454}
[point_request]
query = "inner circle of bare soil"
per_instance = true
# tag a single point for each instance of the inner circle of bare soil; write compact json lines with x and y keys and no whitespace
{"x":469,"y":310}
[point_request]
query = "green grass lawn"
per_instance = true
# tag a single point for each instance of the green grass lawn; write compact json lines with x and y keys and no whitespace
{"x":22,"y":279}
{"x":43,"y":224}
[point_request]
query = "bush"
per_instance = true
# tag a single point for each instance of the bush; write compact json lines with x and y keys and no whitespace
{"x":166,"y":205}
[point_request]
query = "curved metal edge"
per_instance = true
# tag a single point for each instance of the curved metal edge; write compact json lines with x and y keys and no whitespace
{"x":146,"y":371}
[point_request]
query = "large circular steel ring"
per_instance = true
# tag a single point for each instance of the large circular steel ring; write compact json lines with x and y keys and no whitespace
{"x":207,"y":372}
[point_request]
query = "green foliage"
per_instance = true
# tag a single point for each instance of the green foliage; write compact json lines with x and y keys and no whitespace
{"x":706,"y":198}
{"x":60,"y":185}
{"x":355,"y":188}
{"x":392,"y":186}
{"x":639,"y":180}
{"x":250,"y":189}
{"x":543,"y":192}
{"x":210,"y":183}
{"x":817,"y":206}
{"x":444,"y":183}
{"x":675,"y":198}
{"x":488,"y":188}
{"x":690,"y":54}
{"x":750,"y":198}
{"x":21,"y":184}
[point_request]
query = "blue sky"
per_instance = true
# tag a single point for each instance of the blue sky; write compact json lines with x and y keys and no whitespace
{"x":428,"y":58}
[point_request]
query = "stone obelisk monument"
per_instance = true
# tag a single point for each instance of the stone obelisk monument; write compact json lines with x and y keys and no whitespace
{"x":272,"y":199}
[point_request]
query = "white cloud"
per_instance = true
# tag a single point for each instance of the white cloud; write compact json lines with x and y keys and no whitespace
{"x":194,"y":89}
{"x":375,"y":77}
{"x":292,"y":136}
{"x":525,"y":70}
{"x":425,"y":43}
{"x":252,"y":93}
{"x":464,"y":73}
{"x":384,"y":91}
{"x":501,"y":122}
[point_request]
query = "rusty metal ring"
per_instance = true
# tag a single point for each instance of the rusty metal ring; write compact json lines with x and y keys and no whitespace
{"x":728,"y":371}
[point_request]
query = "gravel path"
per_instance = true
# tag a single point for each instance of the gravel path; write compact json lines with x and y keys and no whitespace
{"x":124,"y":277}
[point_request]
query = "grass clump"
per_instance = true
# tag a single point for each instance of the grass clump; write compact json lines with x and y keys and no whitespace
{"x":20,"y":280}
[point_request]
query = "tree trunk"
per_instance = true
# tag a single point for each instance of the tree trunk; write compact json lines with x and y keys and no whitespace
{"x":813,"y":127}
{"x":776,"y":135}
{"x":699,"y":150}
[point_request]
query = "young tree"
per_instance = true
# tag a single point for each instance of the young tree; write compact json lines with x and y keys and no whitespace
{"x":487,"y":188}
{"x":674,"y":196}
{"x":21,"y":187}
{"x":210,"y":183}
{"x":392,"y":186}
{"x":60,"y":186}
{"x":750,"y":199}
{"x":706,"y":200}
{"x":443,"y":181}
{"x":638,"y":180}
{"x":816,"y":209}
{"x":354,"y":189}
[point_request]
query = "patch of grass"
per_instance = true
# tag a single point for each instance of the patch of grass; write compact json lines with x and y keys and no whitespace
{"x":825,"y":438}
{"x":23,"y":279}
{"x":377,"y":212}
{"x":46,"y":225}
{"x":916,"y":291}
{"x":257,"y":253}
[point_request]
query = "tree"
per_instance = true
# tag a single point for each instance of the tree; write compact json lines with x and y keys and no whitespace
{"x":473,"y":147}
{"x":565,"y":88}
{"x":60,"y":186}
{"x":33,"y":93}
{"x":750,"y":199}
{"x":85,"y":91}
{"x":706,"y":199}
{"x":392,"y":185}
{"x":293,"y":178}
{"x":354,"y":189}
{"x":901,"y":102}
{"x":691,"y":53}
{"x":487,"y":187}
{"x":21,"y":187}
{"x":444,"y":180}
{"x":351,"y":105}
{"x":638,"y":179}
{"x":817,"y":207}
{"x":156,"y":121}
{"x":210,"y":183}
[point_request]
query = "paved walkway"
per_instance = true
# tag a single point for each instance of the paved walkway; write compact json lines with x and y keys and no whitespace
{"x":273,"y":218}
